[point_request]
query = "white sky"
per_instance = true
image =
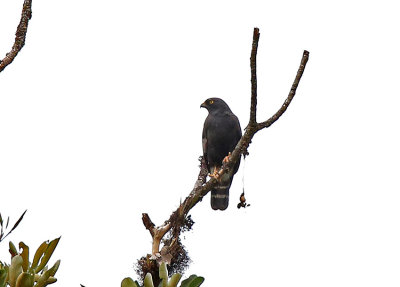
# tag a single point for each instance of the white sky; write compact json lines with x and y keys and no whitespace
{"x":100,"y":121}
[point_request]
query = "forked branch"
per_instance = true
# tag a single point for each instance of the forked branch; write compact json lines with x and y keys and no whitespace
{"x":202,"y":186}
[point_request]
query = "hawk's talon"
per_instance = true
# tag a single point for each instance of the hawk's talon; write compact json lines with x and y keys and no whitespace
{"x":227,"y":158}
{"x":215,"y":174}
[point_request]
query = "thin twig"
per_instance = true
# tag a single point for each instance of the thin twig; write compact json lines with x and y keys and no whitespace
{"x":291,"y":95}
{"x":20,"y":35}
{"x":253,"y":69}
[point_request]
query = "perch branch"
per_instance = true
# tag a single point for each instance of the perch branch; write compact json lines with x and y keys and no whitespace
{"x":202,"y":187}
{"x":20,"y":35}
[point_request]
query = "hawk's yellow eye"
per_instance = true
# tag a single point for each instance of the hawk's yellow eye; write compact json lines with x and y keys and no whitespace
{"x":211,"y":102}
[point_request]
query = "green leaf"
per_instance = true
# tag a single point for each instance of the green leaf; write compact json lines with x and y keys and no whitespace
{"x":38,"y":254}
{"x":25,"y":279}
{"x":1,"y":229}
{"x":197,"y":282}
{"x":186,"y":282}
{"x":25,"y":255}
{"x":42,"y":280}
{"x":14,"y":270}
{"x":12,"y":249}
{"x":12,"y":229}
{"x":54,"y":269}
{"x":128,"y":282}
{"x":47,"y":254}
{"x":148,"y":281}
{"x":192,"y":281}
{"x":16,"y":223}
{"x":163,"y":272}
{"x":46,"y":278}
{"x":3,"y":277}
{"x":173,"y":282}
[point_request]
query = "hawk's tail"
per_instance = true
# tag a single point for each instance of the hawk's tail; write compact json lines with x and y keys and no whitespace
{"x":220,"y":197}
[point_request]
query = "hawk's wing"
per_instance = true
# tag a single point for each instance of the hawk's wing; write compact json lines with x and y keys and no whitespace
{"x":204,"y":143}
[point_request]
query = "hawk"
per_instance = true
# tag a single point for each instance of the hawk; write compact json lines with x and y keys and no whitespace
{"x":221,"y":133}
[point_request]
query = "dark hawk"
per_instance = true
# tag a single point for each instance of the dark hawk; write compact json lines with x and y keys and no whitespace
{"x":221,"y":133}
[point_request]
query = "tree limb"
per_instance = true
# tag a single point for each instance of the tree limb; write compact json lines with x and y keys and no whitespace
{"x":202,"y":187}
{"x":290,"y":97}
{"x":253,"y":69}
{"x":20,"y":35}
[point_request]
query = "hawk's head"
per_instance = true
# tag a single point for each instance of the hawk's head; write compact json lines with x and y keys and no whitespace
{"x":215,"y":105}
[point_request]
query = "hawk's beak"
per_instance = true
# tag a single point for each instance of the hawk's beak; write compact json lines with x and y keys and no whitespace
{"x":203,"y":105}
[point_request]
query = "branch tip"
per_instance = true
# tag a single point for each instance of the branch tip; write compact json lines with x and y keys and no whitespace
{"x":20,"y":35}
{"x":253,"y":69}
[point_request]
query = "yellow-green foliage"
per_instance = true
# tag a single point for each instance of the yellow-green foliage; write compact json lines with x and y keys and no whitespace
{"x":192,"y":281}
{"x":128,"y":282}
{"x":22,"y":273}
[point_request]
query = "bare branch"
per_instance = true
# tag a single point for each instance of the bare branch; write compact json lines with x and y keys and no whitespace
{"x":148,"y":223}
{"x":291,"y":95}
{"x":157,"y":233}
{"x":20,"y":35}
{"x":253,"y":68}
{"x":202,"y":187}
